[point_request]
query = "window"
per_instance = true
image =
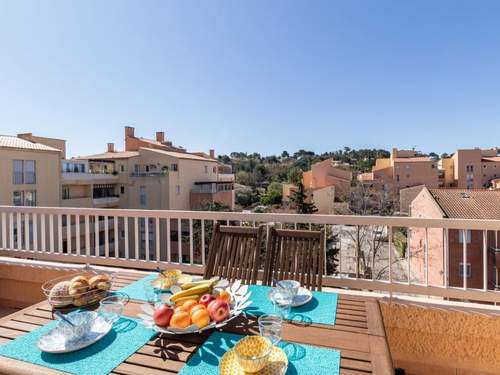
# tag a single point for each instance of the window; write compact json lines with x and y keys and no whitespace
{"x":17,"y":172}
{"x":177,"y":189}
{"x":461,"y":270}
{"x":65,"y":192}
{"x":214,"y":169}
{"x":122,"y":189}
{"x":29,"y":172}
{"x":174,"y":167}
{"x":122,"y":168}
{"x":397,"y":177}
{"x":30,"y":198}
{"x":18,"y":198}
{"x":461,"y":236}
{"x":147,"y":168}
{"x":206,"y":169}
{"x":142,"y":195}
{"x":24,"y":198}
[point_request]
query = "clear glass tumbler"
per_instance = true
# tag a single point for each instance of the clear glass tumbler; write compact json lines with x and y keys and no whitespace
{"x":270,"y":327}
{"x":111,"y":308}
{"x":282,"y":299}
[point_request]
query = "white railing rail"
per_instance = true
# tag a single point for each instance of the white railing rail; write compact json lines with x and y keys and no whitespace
{"x":364,"y":247}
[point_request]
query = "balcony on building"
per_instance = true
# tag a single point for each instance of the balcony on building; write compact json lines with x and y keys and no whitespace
{"x":87,"y":172}
{"x":105,"y":195}
{"x":208,"y":192}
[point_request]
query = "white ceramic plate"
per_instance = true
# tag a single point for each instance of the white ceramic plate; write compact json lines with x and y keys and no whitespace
{"x":303,"y":296}
{"x":55,"y":342}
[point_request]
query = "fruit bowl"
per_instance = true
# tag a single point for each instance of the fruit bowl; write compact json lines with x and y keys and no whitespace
{"x":218,"y":304}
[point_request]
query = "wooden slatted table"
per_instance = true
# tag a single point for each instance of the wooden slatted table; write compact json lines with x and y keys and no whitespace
{"x":358,"y":334}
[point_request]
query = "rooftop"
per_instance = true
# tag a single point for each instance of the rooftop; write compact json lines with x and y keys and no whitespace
{"x":7,"y":141}
{"x":178,"y":155}
{"x":418,"y":159}
{"x":468,"y":204}
{"x":112,"y":155}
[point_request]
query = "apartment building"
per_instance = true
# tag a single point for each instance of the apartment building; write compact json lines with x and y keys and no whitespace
{"x":326,"y":181}
{"x":30,"y":170}
{"x":470,"y":168}
{"x":457,"y":204}
{"x":148,"y":174}
{"x":403,"y":169}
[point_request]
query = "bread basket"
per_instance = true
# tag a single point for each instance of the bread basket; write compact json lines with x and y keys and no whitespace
{"x":79,"y":289}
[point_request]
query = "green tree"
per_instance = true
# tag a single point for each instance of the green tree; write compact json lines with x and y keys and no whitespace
{"x":295,"y":175}
{"x":298,"y":197}
{"x":274,"y":194}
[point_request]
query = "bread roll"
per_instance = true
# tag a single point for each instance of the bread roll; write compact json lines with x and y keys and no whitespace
{"x":59,"y":294}
{"x":99,"y":282}
{"x":78,"y":286}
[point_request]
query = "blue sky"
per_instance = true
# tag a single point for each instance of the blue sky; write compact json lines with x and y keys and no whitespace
{"x":253,"y":75}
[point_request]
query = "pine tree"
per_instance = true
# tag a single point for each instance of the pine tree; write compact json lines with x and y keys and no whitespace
{"x":298,"y":197}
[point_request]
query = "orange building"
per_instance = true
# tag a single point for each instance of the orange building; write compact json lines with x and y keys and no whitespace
{"x":326,"y":181}
{"x":402,"y":170}
{"x":456,"y":204}
{"x":471,"y":168}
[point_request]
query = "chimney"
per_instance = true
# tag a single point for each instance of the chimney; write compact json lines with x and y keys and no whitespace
{"x":212,"y":153}
{"x":129,"y":131}
{"x":26,"y":136}
{"x":160,"y":137}
{"x":111,"y":147}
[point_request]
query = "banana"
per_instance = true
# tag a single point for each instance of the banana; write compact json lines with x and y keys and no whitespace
{"x":200,"y":289}
{"x":195,"y":283}
{"x":179,"y":301}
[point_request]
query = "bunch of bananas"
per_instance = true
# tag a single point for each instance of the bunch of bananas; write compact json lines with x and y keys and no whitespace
{"x":194,"y":290}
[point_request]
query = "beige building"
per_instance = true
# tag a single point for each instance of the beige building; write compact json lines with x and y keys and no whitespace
{"x":30,"y":170}
{"x":152,"y":174}
{"x":403,"y":169}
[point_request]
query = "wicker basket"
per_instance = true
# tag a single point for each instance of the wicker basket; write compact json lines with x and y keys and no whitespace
{"x":62,"y":293}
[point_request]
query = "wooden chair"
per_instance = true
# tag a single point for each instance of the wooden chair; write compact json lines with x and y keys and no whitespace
{"x":234,"y":253}
{"x":297,"y":255}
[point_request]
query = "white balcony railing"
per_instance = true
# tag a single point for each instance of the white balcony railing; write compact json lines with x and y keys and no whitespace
{"x":363,"y":252}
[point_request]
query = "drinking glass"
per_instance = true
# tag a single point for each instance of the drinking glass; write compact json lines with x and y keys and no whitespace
{"x":151,"y":295}
{"x":282,"y":299}
{"x":270,"y":327}
{"x":111,"y":308}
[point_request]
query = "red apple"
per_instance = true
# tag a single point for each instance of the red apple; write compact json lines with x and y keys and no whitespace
{"x":162,"y":315}
{"x":218,"y":310}
{"x":206,"y":299}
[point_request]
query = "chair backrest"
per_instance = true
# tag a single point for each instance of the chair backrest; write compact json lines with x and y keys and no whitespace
{"x":297,"y":255}
{"x":234,"y":253}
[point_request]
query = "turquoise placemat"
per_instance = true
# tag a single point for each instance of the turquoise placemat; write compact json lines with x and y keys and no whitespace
{"x":136,"y":289}
{"x":302,"y":359}
{"x":321,"y":309}
{"x":101,"y":358}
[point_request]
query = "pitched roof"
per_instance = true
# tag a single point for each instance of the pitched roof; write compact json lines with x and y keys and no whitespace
{"x":179,"y":155}
{"x":491,"y":158}
{"x":8,"y":141}
{"x":412,"y":159}
{"x":468,"y":204}
{"x":111,"y":155}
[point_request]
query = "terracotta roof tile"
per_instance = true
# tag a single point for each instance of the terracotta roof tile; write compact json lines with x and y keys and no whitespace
{"x":7,"y":141}
{"x":468,"y":204}
{"x":412,"y":160}
{"x":111,"y":155}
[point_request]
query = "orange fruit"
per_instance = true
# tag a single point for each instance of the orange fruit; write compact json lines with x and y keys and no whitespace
{"x":225,"y":296}
{"x":178,"y":308}
{"x":182,"y":302}
{"x":180,"y":319}
{"x":200,"y":317}
{"x":196,"y":308}
{"x":188,"y":305}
